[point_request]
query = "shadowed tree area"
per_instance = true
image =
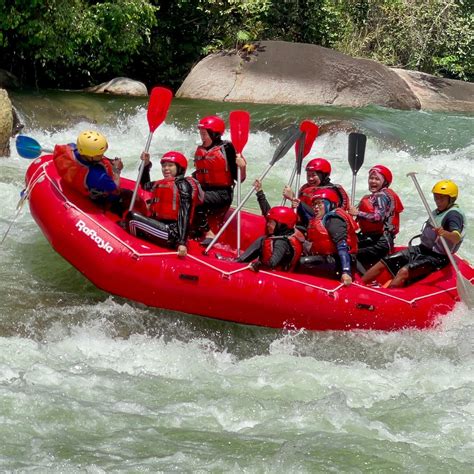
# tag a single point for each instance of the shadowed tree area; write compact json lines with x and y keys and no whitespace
{"x":78,"y":43}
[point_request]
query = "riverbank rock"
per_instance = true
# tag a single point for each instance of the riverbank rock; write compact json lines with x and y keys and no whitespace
{"x":8,"y":80}
{"x":6,"y":123}
{"x":120,"y":86}
{"x":278,"y":72}
{"x":437,"y":93}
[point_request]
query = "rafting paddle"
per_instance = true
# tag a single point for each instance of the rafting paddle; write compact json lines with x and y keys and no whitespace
{"x":29,"y":148}
{"x":293,"y":134}
{"x":19,"y":207}
{"x":356,"y":156}
{"x":464,"y":286}
{"x":158,"y":105}
{"x":302,"y":147}
{"x":239,"y":134}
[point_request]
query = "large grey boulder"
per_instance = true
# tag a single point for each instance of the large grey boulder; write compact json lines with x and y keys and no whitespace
{"x":437,"y":93}
{"x":6,"y":123}
{"x":278,"y":72}
{"x":120,"y":86}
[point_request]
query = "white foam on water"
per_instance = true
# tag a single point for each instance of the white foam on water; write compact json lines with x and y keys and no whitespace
{"x":89,"y":382}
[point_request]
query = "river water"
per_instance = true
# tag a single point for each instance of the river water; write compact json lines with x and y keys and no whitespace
{"x":94,"y":383}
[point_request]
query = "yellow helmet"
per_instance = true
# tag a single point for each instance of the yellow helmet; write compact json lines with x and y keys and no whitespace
{"x":446,"y":187}
{"x":91,"y":143}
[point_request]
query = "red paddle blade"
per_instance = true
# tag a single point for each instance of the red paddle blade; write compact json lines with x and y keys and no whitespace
{"x":310,"y":129}
{"x":239,"y":129}
{"x":160,"y":100}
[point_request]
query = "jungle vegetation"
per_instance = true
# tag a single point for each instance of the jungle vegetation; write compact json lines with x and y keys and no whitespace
{"x":77,"y":43}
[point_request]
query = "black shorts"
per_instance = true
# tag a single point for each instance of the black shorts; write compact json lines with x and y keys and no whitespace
{"x":216,"y":202}
{"x":326,"y":266}
{"x":372,"y":248}
{"x":217,"y":198}
{"x":420,"y":261}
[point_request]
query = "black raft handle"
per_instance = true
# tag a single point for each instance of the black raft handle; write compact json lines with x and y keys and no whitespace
{"x":368,"y":307}
{"x":187,"y":276}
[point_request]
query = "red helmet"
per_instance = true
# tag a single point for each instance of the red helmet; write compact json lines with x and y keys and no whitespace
{"x":214,"y":123}
{"x":319,"y":164}
{"x":384,"y":171}
{"x":282,"y":215}
{"x":175,"y":157}
{"x":326,"y":193}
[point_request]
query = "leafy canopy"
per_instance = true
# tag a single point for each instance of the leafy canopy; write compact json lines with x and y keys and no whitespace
{"x":74,"y":43}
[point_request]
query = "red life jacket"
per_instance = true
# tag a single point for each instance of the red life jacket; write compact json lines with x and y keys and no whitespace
{"x":296,"y":242}
{"x":321,"y":242}
{"x":344,"y":197}
{"x":391,"y":223}
{"x":212,"y":168}
{"x":165,"y":201}
{"x":73,"y":172}
{"x":307,"y":191}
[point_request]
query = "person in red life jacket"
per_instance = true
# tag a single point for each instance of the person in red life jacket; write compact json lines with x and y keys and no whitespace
{"x":172,"y":206}
{"x":216,"y":165}
{"x":378,"y":216}
{"x":83,"y":166}
{"x":318,"y":172}
{"x":418,"y":261}
{"x":331,"y":235}
{"x":282,"y":245}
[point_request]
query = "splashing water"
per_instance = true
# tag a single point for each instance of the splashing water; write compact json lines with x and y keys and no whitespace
{"x":94,"y":383}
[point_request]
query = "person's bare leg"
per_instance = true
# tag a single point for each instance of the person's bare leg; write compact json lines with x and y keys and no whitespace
{"x":400,"y":278}
{"x":373,"y":273}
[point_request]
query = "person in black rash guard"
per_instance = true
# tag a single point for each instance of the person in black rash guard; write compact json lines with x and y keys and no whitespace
{"x":172,"y":206}
{"x":281,"y":247}
{"x":331,"y":237}
{"x":418,"y":261}
{"x":216,"y":165}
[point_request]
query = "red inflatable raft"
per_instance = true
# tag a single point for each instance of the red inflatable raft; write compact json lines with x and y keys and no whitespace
{"x":121,"y":264}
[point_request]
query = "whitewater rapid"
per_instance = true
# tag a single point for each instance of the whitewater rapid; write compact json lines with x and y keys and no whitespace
{"x":94,"y":383}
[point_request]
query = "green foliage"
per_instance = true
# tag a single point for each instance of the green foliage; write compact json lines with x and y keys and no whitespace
{"x":298,"y":21}
{"x":60,"y":41}
{"x":74,"y":43}
{"x":234,"y":22}
{"x":433,"y":36}
{"x":111,"y":33}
